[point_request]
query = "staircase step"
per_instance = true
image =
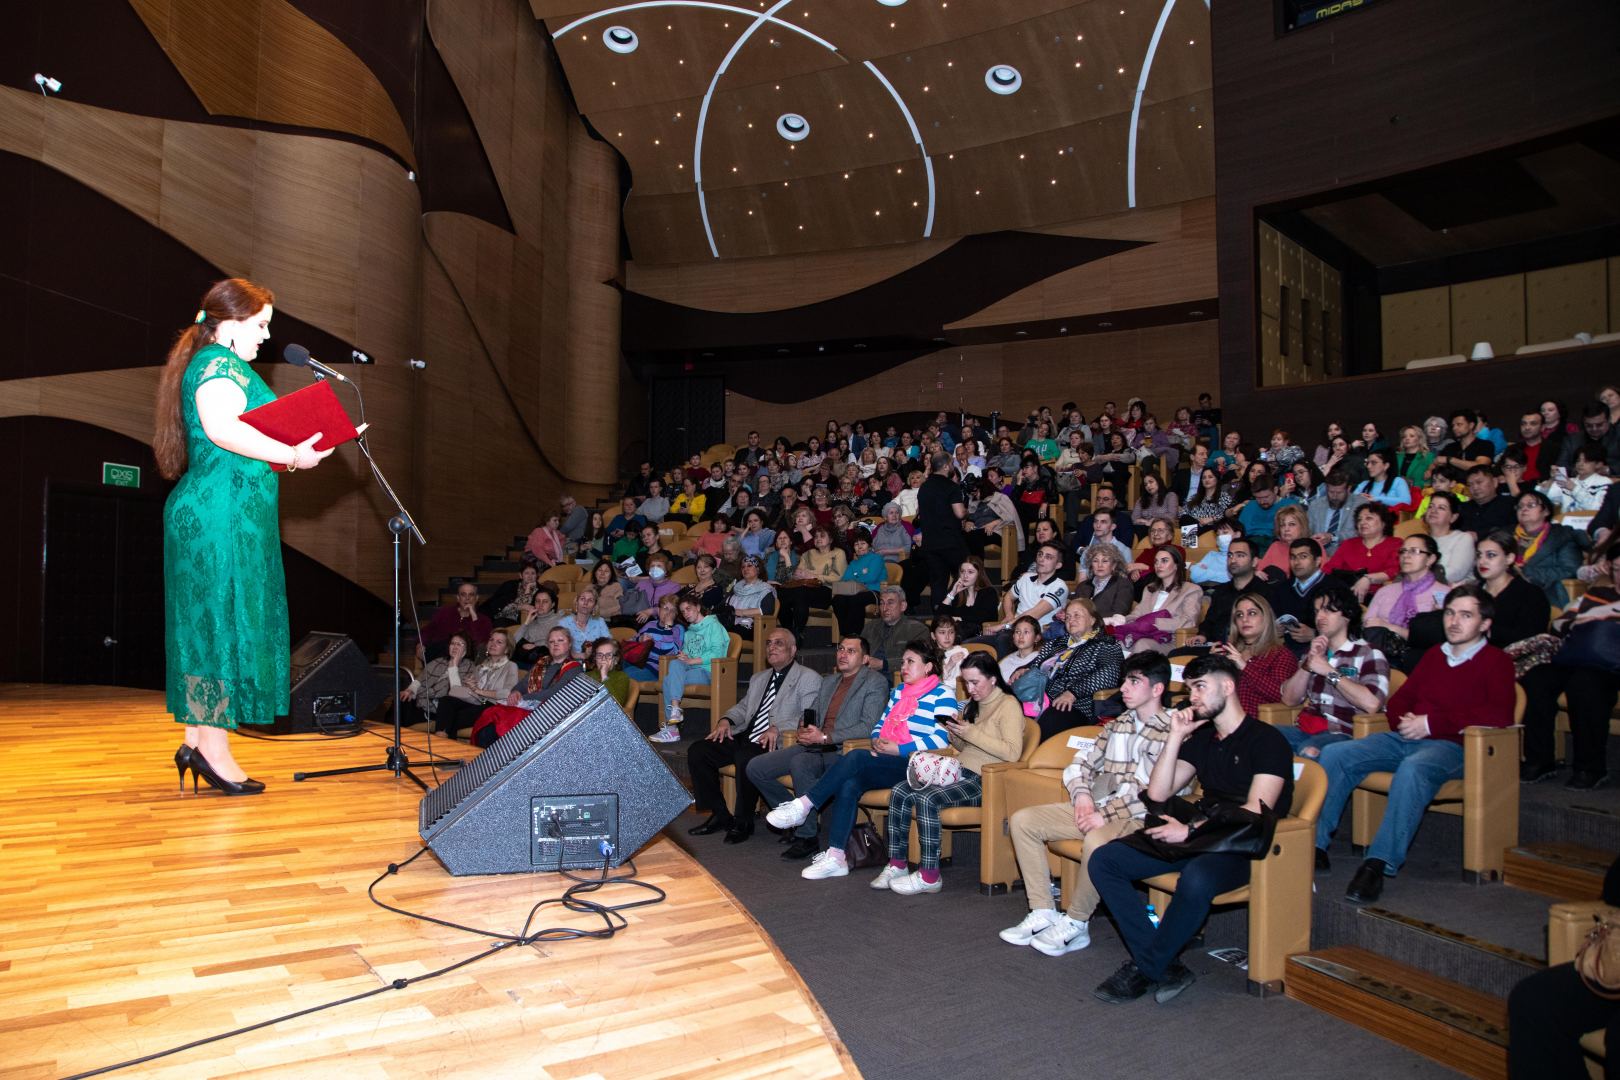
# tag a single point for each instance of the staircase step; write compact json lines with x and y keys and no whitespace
{"x":1564,"y":871}
{"x":1460,"y":1028}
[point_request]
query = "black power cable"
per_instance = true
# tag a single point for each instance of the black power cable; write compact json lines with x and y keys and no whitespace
{"x":572,"y":899}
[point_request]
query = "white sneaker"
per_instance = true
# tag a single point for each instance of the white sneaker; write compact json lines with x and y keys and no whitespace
{"x":1064,"y":935}
{"x":1033,"y":923}
{"x":666,"y":734}
{"x":675,"y":716}
{"x":888,"y":874}
{"x":828,"y":864}
{"x":912,"y":884}
{"x":789,"y":815}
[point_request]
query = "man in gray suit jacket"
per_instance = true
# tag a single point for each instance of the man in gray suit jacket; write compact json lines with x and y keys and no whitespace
{"x":1331,"y":513}
{"x":860,"y":693}
{"x":777,"y":697}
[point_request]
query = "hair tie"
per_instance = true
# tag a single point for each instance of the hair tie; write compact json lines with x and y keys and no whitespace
{"x":201,"y":315}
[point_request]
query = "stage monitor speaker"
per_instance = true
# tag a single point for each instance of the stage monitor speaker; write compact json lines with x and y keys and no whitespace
{"x":574,"y":784}
{"x":333,"y":686}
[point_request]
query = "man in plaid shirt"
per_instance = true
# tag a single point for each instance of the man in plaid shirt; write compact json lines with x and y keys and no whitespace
{"x":1341,"y":675}
{"x":1105,"y":783}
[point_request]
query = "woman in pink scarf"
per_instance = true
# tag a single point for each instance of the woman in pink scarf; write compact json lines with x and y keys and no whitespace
{"x":547,"y":543}
{"x":914,"y":720}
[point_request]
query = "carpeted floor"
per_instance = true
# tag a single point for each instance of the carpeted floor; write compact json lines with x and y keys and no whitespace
{"x":922,"y":986}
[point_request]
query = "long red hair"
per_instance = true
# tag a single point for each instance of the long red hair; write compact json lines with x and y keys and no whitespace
{"x":233,"y":298}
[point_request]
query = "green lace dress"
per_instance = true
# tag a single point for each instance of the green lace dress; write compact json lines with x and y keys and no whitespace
{"x":225,"y":593}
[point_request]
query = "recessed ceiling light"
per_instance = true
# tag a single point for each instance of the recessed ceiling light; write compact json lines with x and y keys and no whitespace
{"x":792,"y":127}
{"x":892,"y":3}
{"x":1003,"y":79}
{"x":621,"y":39}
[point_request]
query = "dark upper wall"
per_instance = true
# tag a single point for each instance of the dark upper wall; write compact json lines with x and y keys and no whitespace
{"x":1396,"y":87}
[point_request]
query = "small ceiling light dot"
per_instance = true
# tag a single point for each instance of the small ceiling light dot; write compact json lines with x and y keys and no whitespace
{"x":1077,"y":63}
{"x":1192,"y":41}
{"x":784,"y":183}
{"x":871,"y":134}
{"x":1020,"y":157}
{"x":892,"y":3}
{"x":898,"y":170}
{"x":1079,"y":37}
{"x":1122,"y":71}
{"x":977,"y":192}
{"x":950,"y":63}
{"x":846,"y":176}
{"x":680,"y":61}
{"x":621,"y":39}
{"x":750,"y":125}
{"x":680,"y":164}
{"x":950,"y":157}
{"x":613,"y":82}
{"x":913,"y":202}
{"x":925,"y":89}
{"x":750,"y":213}
{"x":734,"y":168}
{"x":1003,"y":79}
{"x":1054,"y":179}
{"x":801,"y":228}
{"x":877,"y":213}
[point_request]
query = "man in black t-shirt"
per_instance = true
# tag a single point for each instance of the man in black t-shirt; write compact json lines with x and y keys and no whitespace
{"x":939,"y":516}
{"x":1238,"y":761}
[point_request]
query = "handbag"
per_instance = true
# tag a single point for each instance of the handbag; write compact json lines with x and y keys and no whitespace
{"x":1597,"y":961}
{"x":865,"y":847}
{"x":926,"y":769}
{"x":1592,"y":645}
{"x":636,"y":651}
{"x":1226,"y":830}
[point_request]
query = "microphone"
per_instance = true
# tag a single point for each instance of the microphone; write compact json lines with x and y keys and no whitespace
{"x":299,"y":356}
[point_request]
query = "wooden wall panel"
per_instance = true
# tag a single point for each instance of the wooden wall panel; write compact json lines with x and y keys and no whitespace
{"x":1566,"y":300}
{"x":265,"y":59}
{"x":1168,"y":365}
{"x":590,"y":412}
{"x":1492,"y":310}
{"x":1614,"y":295}
{"x":1416,"y":325}
{"x":1391,"y":88}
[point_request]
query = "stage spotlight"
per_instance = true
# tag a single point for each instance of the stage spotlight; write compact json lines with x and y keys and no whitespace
{"x":47,"y":85}
{"x":419,"y":365}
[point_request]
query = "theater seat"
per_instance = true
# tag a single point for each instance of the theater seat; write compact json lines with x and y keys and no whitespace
{"x":1011,"y":786}
{"x":1567,"y":926}
{"x":1279,"y":890}
{"x":1486,"y":798}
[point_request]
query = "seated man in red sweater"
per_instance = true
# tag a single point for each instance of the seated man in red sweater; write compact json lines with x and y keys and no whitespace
{"x":1467,"y":682}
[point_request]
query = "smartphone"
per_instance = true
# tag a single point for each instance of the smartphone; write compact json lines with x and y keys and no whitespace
{"x":808,"y":719}
{"x":1560,"y":473}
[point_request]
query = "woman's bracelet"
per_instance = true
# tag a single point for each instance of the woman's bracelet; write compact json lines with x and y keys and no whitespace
{"x":293,"y":466}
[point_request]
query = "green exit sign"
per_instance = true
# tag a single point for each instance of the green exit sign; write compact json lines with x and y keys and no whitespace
{"x":115,"y":475}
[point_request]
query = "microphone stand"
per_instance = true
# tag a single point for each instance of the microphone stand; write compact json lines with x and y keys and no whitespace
{"x":396,"y":761}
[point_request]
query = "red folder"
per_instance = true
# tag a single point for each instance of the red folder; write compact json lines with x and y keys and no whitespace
{"x":300,"y":414}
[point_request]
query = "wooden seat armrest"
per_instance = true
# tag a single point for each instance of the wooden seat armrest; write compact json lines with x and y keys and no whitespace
{"x":663,"y":668}
{"x":1279,"y":715}
{"x":1365,"y":724}
{"x":1000,"y":767}
{"x":1569,"y":923}
{"x":787,"y":737}
{"x":857,"y":744}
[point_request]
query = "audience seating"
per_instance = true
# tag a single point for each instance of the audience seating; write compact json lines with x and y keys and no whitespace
{"x":564,"y":573}
{"x":1279,"y":889}
{"x":1011,"y":786}
{"x":718,"y":696}
{"x":1486,"y":798}
{"x":1567,"y":926}
{"x":1006,"y":547}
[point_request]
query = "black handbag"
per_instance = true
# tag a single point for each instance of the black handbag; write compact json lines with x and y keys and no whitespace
{"x":1591,"y":645}
{"x":1226,"y":829}
{"x":865,"y":847}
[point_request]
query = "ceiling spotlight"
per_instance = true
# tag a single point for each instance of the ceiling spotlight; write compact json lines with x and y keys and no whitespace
{"x":621,"y":39}
{"x":47,"y":85}
{"x":792,"y":127}
{"x":417,"y":365}
{"x":1003,"y":79}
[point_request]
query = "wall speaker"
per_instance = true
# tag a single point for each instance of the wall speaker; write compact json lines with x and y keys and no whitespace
{"x":573,"y":785}
{"x":333,"y":686}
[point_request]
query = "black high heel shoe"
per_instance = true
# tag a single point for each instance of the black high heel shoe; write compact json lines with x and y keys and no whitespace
{"x":200,"y":767}
{"x":182,"y":762}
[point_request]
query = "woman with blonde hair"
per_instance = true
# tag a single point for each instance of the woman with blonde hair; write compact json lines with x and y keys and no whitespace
{"x":1107,"y":585}
{"x":1289,"y":524}
{"x":225,"y":593}
{"x":1253,"y":644}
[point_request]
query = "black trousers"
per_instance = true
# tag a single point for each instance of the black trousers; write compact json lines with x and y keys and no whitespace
{"x":797,"y":602}
{"x":941,"y":565}
{"x":851,"y":612}
{"x":453,"y":714}
{"x":1590,"y":694}
{"x":1548,"y":1012}
{"x":704,"y":761}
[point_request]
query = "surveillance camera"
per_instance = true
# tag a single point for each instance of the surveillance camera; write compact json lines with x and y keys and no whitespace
{"x":46,"y":83}
{"x":419,"y":365}
{"x":359,"y":357}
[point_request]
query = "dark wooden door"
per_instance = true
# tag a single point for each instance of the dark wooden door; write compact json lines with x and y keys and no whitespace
{"x":102,"y":619}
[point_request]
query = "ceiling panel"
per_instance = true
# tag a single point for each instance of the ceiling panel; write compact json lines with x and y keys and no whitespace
{"x":891,"y":94}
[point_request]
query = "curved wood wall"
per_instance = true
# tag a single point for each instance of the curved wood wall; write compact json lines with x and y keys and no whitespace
{"x":339,"y":231}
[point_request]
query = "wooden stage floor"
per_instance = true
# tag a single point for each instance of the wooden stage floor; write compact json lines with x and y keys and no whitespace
{"x":136,"y":919}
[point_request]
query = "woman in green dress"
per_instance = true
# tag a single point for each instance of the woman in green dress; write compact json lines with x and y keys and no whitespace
{"x":225,"y":594}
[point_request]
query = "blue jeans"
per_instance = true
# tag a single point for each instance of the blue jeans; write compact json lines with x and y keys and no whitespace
{"x":1420,"y":766}
{"x":639,"y":673}
{"x":854,"y":774}
{"x":1302,"y":742}
{"x":1115,"y":868}
{"x":681,"y":675}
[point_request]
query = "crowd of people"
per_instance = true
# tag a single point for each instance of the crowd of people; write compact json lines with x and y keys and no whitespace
{"x":1264,"y":572}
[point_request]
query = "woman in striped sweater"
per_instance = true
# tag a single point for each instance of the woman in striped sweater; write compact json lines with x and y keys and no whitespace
{"x":914,"y":720}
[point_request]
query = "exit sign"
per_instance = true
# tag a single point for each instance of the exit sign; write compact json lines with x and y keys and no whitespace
{"x":114,"y":475}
